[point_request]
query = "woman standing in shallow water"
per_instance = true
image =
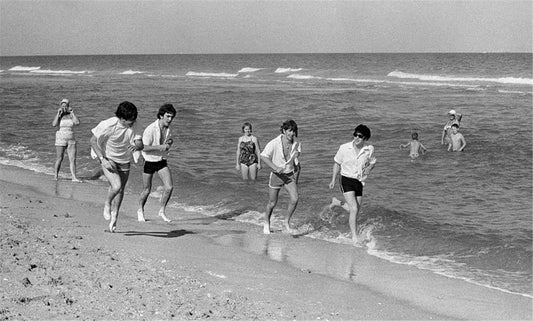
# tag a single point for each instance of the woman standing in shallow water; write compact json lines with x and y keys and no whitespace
{"x":248,"y":159}
{"x":65,"y":120}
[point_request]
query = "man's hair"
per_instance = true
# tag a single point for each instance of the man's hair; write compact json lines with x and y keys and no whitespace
{"x":414,"y":135}
{"x":363,"y":130}
{"x":246,"y":124}
{"x":455,"y":125}
{"x":290,"y":124}
{"x":166,"y":108}
{"x":126,"y":111}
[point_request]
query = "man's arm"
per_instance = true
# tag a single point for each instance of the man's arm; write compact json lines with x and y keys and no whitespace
{"x":463,"y":143}
{"x":101,"y":156}
{"x":270,"y":164}
{"x":336,"y":169}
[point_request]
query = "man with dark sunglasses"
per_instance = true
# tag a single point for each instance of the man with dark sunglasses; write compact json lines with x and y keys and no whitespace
{"x":354,"y":160}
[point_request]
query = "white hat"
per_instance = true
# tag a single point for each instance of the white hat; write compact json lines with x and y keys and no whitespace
{"x":64,"y":101}
{"x":451,"y":112}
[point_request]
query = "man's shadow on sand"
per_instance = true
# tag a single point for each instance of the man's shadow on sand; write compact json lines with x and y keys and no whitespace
{"x":165,"y":234}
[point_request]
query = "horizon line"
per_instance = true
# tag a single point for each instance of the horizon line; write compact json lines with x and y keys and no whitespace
{"x":276,"y":53}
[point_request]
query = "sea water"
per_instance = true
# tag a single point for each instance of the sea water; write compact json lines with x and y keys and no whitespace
{"x":464,"y":215}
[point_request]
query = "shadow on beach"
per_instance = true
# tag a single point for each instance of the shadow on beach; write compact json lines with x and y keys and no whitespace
{"x":168,"y":234}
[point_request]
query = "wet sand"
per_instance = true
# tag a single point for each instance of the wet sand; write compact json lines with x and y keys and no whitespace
{"x":58,"y":263}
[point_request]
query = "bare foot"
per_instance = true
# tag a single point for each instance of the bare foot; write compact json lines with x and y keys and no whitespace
{"x":291,"y":230}
{"x":163,"y":216}
{"x":107,"y":212}
{"x":266,"y":229}
{"x":113,"y":222}
{"x":140,"y":215}
{"x":356,"y":241}
{"x":335,"y":202}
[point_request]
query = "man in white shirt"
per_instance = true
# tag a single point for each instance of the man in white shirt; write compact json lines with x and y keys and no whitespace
{"x":279,"y":154}
{"x":113,"y":142}
{"x":354,"y":160}
{"x":157,"y":140}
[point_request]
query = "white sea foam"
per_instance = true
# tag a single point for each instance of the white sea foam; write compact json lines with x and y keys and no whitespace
{"x":249,"y":69}
{"x":356,"y":80}
{"x":503,"y":80}
{"x":24,"y":68}
{"x":285,"y":70}
{"x":298,"y":76}
{"x":59,"y":72}
{"x":441,"y":264}
{"x":32,"y":166}
{"x":210,"y":74}
{"x":131,"y":72}
{"x":511,"y":92}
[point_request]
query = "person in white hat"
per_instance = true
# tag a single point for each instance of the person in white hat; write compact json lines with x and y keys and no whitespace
{"x":454,"y":118}
{"x":65,"y":119}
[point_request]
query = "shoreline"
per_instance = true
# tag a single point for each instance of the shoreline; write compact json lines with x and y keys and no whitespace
{"x":202,"y":267}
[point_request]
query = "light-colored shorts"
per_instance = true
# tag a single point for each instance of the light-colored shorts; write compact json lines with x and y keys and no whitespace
{"x":65,"y":138}
{"x":121,"y":167}
{"x":277,"y":181}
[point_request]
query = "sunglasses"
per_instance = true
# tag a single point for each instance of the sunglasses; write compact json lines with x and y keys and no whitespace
{"x":359,"y":135}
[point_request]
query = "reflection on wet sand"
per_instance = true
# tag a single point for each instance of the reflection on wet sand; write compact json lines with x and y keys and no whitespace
{"x":312,"y":256}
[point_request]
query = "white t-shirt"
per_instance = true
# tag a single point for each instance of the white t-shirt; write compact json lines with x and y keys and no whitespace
{"x":115,"y":139}
{"x":274,"y":151}
{"x":152,"y":137}
{"x":355,"y":165}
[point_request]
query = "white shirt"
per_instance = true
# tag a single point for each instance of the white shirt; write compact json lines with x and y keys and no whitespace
{"x":152,"y":137}
{"x":115,"y":139}
{"x":274,"y":151}
{"x":355,"y":165}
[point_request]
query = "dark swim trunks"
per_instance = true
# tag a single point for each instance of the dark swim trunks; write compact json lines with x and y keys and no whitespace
{"x":152,"y":167}
{"x":351,"y":184}
{"x":248,"y":156}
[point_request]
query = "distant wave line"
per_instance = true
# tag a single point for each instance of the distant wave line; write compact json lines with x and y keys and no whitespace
{"x":249,"y":69}
{"x":210,"y":74}
{"x":503,"y":80}
{"x":38,"y":70}
{"x":285,"y":70}
{"x":132,"y":72}
{"x":24,"y":68}
{"x":65,"y":72}
{"x":364,"y":80}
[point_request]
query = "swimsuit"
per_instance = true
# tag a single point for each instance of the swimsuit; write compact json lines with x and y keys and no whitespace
{"x":351,"y":185}
{"x":65,"y":135}
{"x":277,"y":180}
{"x":248,"y":156}
{"x":152,"y":167}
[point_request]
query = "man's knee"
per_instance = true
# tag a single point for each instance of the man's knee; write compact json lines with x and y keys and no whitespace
{"x":116,"y":188}
{"x":272,"y":203}
{"x":294,"y":199}
{"x":168,"y":189}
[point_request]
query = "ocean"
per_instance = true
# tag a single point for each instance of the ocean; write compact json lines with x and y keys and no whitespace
{"x":463,"y":215}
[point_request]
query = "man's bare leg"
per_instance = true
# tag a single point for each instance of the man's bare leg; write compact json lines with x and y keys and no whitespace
{"x":272,"y":201}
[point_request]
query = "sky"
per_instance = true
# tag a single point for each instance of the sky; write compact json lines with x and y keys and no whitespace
{"x":77,"y":27}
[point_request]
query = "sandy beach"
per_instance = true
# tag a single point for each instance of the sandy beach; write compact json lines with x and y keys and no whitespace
{"x":57,"y":263}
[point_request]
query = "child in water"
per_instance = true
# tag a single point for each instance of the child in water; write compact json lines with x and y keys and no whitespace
{"x":457,"y":141}
{"x":416,"y":147}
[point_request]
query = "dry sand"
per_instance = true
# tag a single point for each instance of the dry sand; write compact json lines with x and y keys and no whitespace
{"x":58,"y":263}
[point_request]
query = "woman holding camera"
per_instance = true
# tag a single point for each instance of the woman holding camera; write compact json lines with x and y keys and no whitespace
{"x":65,"y":119}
